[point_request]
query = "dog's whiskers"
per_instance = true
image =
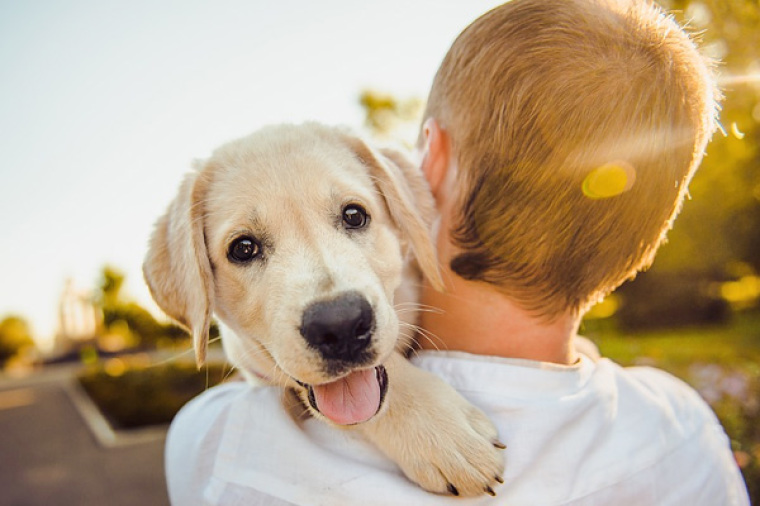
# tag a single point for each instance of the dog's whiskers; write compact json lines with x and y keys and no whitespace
{"x":251,"y":351}
{"x":252,"y":354}
{"x":276,"y":373}
{"x":173,"y":358}
{"x":208,"y":382}
{"x":407,"y":339}
{"x":180,"y":354}
{"x":410,"y":307}
{"x":415,"y":304}
{"x":430,"y":337}
{"x":415,"y":310}
{"x":227,"y":375}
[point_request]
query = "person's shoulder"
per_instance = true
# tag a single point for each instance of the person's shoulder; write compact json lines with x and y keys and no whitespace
{"x":207,"y":408}
{"x":700,"y":460}
{"x":663,"y":392}
{"x":195,"y":436}
{"x":204,"y":416}
{"x":672,"y":440}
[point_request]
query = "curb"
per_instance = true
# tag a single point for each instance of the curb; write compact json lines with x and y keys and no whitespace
{"x":105,"y":435}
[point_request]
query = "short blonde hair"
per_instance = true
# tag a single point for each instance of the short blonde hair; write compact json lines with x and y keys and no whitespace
{"x":576,"y":126}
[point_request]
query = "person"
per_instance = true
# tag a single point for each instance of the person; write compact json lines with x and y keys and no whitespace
{"x":558,"y":140}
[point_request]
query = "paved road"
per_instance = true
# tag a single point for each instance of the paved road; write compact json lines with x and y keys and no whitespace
{"x":49,"y":457}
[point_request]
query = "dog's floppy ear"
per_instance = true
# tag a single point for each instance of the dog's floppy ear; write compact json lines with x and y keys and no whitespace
{"x":409,"y":201}
{"x":177,"y":268}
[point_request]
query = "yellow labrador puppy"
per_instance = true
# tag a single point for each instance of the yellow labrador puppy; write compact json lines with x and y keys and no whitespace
{"x":303,"y":241}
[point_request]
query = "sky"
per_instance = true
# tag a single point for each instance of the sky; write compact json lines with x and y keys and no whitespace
{"x":105,"y":104}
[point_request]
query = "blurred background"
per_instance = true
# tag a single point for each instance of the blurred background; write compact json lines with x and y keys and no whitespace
{"x":104,"y":106}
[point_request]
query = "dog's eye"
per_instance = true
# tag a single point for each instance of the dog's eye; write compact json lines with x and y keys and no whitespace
{"x":355,"y":216}
{"x":243,"y":249}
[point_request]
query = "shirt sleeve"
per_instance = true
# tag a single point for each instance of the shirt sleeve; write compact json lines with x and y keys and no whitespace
{"x":701,"y":470}
{"x":193,"y":441}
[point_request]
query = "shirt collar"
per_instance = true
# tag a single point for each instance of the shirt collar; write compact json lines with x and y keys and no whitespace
{"x":506,"y":376}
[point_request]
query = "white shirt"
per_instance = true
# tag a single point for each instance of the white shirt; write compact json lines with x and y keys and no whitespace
{"x":589,"y":434}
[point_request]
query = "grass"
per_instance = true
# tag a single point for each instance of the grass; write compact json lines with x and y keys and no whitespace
{"x":736,"y":345}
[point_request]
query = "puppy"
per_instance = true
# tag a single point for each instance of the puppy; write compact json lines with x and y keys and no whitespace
{"x":303,"y":241}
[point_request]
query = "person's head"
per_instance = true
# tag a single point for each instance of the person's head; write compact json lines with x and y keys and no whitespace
{"x":574,"y":127}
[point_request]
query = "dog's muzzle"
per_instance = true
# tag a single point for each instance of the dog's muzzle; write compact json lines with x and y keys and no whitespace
{"x":340,"y":329}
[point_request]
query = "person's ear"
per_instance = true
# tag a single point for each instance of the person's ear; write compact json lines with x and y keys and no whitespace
{"x":436,"y":156}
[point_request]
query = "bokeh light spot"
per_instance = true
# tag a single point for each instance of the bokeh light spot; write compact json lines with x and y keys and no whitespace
{"x":735,"y":130}
{"x":609,"y":180}
{"x":115,"y":367}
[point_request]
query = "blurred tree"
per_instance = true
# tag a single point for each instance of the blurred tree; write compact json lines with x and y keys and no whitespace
{"x":717,"y":235}
{"x":15,"y":337}
{"x":721,"y":224}
{"x":387,"y":116}
{"x":111,"y":283}
{"x":124,"y":316}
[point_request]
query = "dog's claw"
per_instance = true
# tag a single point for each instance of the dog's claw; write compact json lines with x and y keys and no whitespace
{"x":498,"y":444}
{"x":490,"y":491}
{"x":499,"y":479}
{"x":454,"y":452}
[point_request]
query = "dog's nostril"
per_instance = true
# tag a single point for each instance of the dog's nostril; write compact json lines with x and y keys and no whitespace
{"x":328,"y":339}
{"x":339,"y":328}
{"x":363,"y":329}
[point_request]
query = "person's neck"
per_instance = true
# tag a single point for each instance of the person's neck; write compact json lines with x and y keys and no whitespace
{"x":474,"y":318}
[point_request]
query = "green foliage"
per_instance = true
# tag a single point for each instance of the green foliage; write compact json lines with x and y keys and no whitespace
{"x":122,"y":316}
{"x":134,"y":395}
{"x":141,"y":323}
{"x":719,"y":228}
{"x":15,"y":337}
{"x":388,"y":116}
{"x":111,"y":283}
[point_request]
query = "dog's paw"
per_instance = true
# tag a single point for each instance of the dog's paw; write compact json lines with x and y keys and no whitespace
{"x":456,"y":451}
{"x":437,"y":438}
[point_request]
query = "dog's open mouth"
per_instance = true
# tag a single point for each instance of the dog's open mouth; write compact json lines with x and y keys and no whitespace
{"x":352,"y":399}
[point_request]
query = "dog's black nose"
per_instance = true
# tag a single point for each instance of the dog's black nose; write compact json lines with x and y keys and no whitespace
{"x":340,"y":328}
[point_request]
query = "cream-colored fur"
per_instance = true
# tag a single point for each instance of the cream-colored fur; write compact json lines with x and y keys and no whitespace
{"x":286,"y":186}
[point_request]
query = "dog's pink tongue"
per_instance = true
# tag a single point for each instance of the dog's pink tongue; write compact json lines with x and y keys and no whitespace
{"x":353,"y":399}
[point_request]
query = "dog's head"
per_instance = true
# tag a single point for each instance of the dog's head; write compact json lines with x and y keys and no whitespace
{"x":295,"y":237}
